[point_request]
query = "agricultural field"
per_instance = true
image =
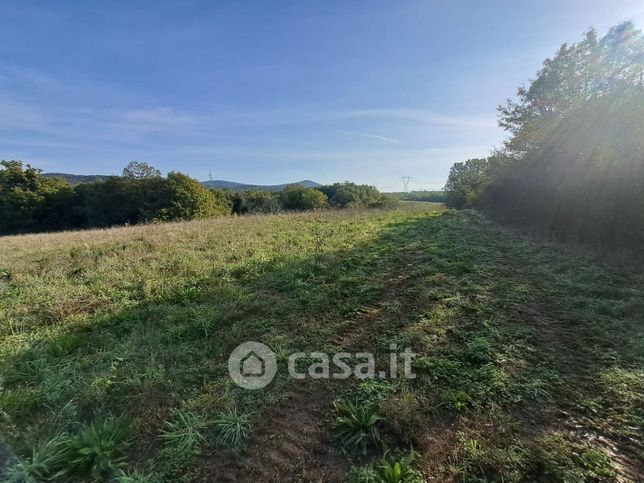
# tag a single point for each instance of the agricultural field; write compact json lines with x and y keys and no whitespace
{"x":114,"y":347}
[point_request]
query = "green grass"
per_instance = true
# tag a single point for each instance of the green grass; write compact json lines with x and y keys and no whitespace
{"x":530,"y":355}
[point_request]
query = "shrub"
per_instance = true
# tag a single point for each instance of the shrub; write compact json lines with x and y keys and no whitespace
{"x":189,"y":200}
{"x":185,"y":433}
{"x":390,"y":470}
{"x":351,"y":195}
{"x":43,"y":465}
{"x":233,"y":428}
{"x":97,"y":451}
{"x":465,"y":183}
{"x":251,"y":202}
{"x":296,"y":197}
{"x":387,"y":470}
{"x":357,"y":426}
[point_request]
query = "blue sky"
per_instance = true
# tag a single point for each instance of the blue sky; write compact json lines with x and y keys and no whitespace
{"x":274,"y":91}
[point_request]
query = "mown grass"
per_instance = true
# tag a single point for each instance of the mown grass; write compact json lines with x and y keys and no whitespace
{"x":530,"y":355}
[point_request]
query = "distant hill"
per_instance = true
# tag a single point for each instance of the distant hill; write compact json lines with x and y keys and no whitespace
{"x":233,"y":186}
{"x":217,"y":183}
{"x":77,"y":178}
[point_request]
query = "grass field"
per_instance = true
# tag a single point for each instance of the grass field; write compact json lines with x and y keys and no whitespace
{"x":114,"y":343}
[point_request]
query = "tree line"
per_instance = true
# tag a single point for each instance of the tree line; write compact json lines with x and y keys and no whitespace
{"x":31,"y":202}
{"x":573,"y":164}
{"x":424,"y":195}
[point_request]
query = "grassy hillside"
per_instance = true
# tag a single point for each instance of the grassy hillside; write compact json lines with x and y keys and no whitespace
{"x":113,"y":349}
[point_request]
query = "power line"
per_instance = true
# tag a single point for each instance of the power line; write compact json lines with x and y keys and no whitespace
{"x":405,"y":181}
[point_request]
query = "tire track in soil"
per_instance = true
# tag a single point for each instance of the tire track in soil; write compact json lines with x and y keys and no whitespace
{"x":556,"y":336}
{"x":293,"y":443}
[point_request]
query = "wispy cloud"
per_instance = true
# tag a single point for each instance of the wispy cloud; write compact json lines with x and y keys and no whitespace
{"x":371,"y":136}
{"x":17,"y":116}
{"x":65,"y":133}
{"x":423,"y":116}
{"x":156,"y":118}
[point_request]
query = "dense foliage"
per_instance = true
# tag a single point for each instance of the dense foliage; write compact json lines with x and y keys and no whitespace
{"x":23,"y":194}
{"x":348,"y":195}
{"x":465,"y":182}
{"x":430,"y":196}
{"x":574,"y":162}
{"x":30,"y":201}
{"x":297,"y":198}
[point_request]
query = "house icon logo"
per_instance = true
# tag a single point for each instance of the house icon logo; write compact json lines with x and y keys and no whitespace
{"x":252,"y":365}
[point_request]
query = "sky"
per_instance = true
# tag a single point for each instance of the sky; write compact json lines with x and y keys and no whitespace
{"x":269,"y":92}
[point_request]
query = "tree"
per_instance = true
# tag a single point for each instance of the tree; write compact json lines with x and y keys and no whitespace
{"x":297,"y":197}
{"x":255,"y":201}
{"x":577,"y":74}
{"x":189,"y":200}
{"x":140,"y":170}
{"x":573,"y":165}
{"x":350,"y":195}
{"x":23,"y":195}
{"x":465,"y":182}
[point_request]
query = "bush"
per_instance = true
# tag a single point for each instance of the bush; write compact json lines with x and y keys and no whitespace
{"x":253,"y":202}
{"x":189,"y":200}
{"x":387,"y":469}
{"x":391,"y":470}
{"x":97,"y":451}
{"x":43,"y":465}
{"x":351,"y":195}
{"x":357,"y":426}
{"x":465,"y":183}
{"x":233,"y":428}
{"x":185,"y":433}
{"x":296,"y":197}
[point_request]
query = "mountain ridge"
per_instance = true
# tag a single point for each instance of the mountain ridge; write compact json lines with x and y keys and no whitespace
{"x":216,"y":183}
{"x":235,"y":186}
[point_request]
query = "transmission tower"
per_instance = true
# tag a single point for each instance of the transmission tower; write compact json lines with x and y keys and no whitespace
{"x":405,"y":181}
{"x":210,"y":175}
